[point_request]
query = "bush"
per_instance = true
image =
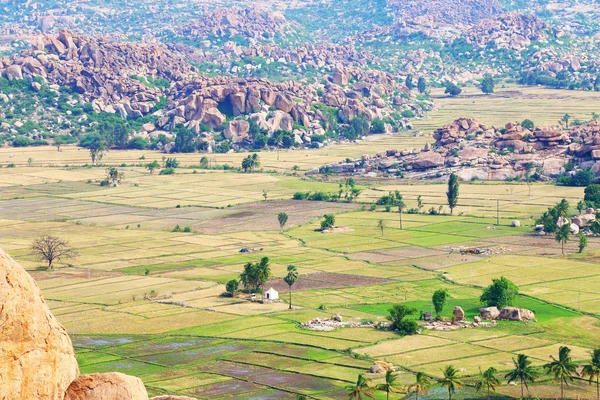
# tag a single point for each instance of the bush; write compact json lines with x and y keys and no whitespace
{"x":167,"y":171}
{"x":397,"y":317}
{"x":171,"y":163}
{"x":581,"y":178}
{"x":408,"y":114}
{"x":138,"y":143}
{"x":592,"y":195}
{"x":21,"y":141}
{"x":528,"y":124}
{"x":301,"y":195}
{"x":378,"y":126}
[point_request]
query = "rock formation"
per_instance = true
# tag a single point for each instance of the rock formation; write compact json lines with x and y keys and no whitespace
{"x":450,"y":12}
{"x":36,"y":356}
{"x":513,"y":31}
{"x":112,"y":385}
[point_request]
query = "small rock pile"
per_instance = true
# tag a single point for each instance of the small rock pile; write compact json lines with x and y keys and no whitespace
{"x":382,"y":367}
{"x":332,"y":324}
{"x":477,"y":250}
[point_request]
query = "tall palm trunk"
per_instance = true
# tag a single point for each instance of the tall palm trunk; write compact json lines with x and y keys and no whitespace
{"x":488,"y":396}
{"x":290,"y":297}
{"x":598,"y":386}
{"x":522,"y":389}
{"x":562,"y":389}
{"x":563,"y":247}
{"x":400,"y":212}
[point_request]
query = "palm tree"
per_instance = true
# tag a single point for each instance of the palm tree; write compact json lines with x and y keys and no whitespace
{"x":398,"y":201}
{"x":360,"y":390}
{"x":381,"y":225}
{"x":488,"y":380}
{"x":290,"y":279}
{"x":562,"y":236}
{"x":523,"y":372}
{"x":593,"y":370}
{"x":563,"y":368}
{"x":390,"y":385}
{"x":451,"y":380}
{"x":263,"y":272}
{"x":421,"y":384}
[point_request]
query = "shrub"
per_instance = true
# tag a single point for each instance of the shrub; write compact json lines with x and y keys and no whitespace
{"x":501,"y":293}
{"x":21,"y":141}
{"x":167,"y":171}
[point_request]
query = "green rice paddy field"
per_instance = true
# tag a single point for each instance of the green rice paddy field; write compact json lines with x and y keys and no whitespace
{"x":147,"y":301}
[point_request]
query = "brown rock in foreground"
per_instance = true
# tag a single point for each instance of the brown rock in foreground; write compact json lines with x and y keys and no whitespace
{"x":37,"y":360}
{"x":167,"y":397}
{"x":112,"y":385}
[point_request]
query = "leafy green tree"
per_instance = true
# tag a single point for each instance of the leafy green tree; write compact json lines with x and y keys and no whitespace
{"x":152,"y":166}
{"x":398,"y":201}
{"x":204,"y":162}
{"x":562,"y":236}
{"x":421,"y":385}
{"x":361,"y":390}
{"x":563,"y":368}
{"x":283,"y":219}
{"x":171,"y":163}
{"x":452,"y":89}
{"x":451,"y":381}
{"x":583,"y":242}
{"x":523,"y":372}
{"x":328,"y":221}
{"x":581,"y":206}
{"x":290,"y":279}
{"x":251,"y":162}
{"x":232,"y":287}
{"x":452,"y":193}
{"x":439,"y":299}
{"x":592,"y":195}
{"x":397,"y":317}
{"x":528,"y":124}
{"x":488,"y":84}
{"x":185,"y":140}
{"x":263,"y":272}
{"x":113,"y":175}
{"x":563,"y":208}
{"x":419,"y":203}
{"x":96,"y":145}
{"x":592,"y":370}
{"x":565,"y":119}
{"x":410,"y":83}
{"x":249,"y":277}
{"x":422,"y":85}
{"x":487,"y":381}
{"x":501,"y":293}
{"x":390,"y":385}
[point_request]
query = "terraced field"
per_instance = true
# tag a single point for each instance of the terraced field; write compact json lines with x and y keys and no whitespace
{"x":142,"y":299}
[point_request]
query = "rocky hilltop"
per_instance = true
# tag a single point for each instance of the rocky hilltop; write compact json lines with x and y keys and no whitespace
{"x":131,"y":79}
{"x":513,"y":31}
{"x":475,"y":151}
{"x":248,"y":23}
{"x":450,"y":12}
{"x":36,"y":354}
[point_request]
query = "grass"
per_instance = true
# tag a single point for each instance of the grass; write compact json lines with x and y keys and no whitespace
{"x":193,"y":341}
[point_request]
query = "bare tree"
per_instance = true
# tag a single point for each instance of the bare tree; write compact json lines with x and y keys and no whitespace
{"x":50,"y":249}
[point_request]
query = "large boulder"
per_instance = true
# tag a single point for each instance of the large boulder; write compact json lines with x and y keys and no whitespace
{"x":14,"y":72}
{"x":489,"y":312}
{"x":112,"y":385}
{"x":237,"y":130}
{"x":37,"y":360}
{"x":428,"y":159}
{"x":458,"y":313}
{"x":516,"y":314}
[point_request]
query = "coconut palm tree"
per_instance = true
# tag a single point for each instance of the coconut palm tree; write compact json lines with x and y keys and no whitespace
{"x":488,"y":381}
{"x":563,"y":368}
{"x":451,"y":380}
{"x":562,"y":236}
{"x":361,"y":390}
{"x":290,"y":279}
{"x":381,"y":225}
{"x":390,"y":385}
{"x":593,"y":370}
{"x":523,"y":372}
{"x":398,"y":201}
{"x":421,"y":385}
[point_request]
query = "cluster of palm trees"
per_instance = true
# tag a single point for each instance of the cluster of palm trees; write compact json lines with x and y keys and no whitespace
{"x":563,"y":368}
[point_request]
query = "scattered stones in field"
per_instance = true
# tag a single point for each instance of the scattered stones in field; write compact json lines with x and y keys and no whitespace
{"x":382,"y":367}
{"x":489,"y":312}
{"x":333,"y":323}
{"x":337,"y":229}
{"x":451,"y":326}
{"x":458,"y":314}
{"x":507,"y":313}
{"x":477,"y":250}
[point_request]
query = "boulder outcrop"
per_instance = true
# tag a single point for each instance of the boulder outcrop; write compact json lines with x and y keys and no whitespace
{"x":36,"y":355}
{"x":112,"y":385}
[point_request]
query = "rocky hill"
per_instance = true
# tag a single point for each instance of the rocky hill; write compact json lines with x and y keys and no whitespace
{"x":150,"y":81}
{"x":513,"y":31}
{"x":451,"y":12}
{"x":476,"y":151}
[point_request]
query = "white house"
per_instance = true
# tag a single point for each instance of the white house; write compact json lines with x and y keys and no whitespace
{"x":271,"y":294}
